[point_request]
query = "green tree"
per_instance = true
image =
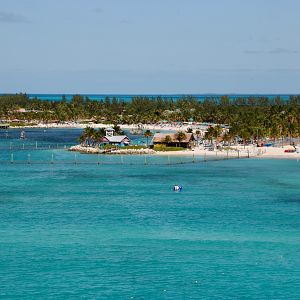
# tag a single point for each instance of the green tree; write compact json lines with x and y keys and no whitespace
{"x":180,"y":136}
{"x":167,"y":139}
{"x":147,"y":135}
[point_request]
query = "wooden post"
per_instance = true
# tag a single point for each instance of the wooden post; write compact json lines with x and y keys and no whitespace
{"x":238,"y":153}
{"x":146,"y":160}
{"x":98,"y":159}
{"x":193,"y":158}
{"x":12,"y":158}
{"x":122,"y":159}
{"x":23,"y":146}
{"x":52,"y":158}
{"x":36,"y":145}
{"x":248,"y":153}
{"x":75,"y":158}
{"x":28,"y":159}
{"x":168,"y":159}
{"x":205,"y":156}
{"x":10,"y":145}
{"x":227,"y":155}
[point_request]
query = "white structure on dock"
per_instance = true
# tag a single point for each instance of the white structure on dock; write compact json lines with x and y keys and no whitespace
{"x":118,"y":140}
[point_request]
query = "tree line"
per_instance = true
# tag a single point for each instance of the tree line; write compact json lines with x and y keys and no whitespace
{"x":248,"y":117}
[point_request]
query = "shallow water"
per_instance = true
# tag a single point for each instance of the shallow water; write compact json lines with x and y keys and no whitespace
{"x":120,"y":232}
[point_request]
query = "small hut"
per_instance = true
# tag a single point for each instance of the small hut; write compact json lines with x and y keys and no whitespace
{"x":117,"y":140}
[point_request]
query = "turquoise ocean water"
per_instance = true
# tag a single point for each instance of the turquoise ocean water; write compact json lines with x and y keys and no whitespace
{"x":113,"y":231}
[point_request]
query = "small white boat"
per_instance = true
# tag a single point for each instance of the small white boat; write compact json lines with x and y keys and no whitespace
{"x":22,"y":135}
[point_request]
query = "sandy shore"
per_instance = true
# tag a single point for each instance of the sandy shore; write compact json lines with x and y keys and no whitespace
{"x":233,"y":152}
{"x":123,"y":126}
{"x":239,"y":152}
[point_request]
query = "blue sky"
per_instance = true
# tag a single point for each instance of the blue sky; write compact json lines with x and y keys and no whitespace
{"x":150,"y":46}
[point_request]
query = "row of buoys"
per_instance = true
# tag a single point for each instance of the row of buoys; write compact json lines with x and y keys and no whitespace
{"x":177,"y":188}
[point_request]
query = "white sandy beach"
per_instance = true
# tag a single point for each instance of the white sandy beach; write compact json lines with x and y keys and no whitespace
{"x":166,"y":127}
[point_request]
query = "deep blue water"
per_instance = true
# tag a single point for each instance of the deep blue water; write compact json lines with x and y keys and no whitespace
{"x":127,"y":98}
{"x":119,"y":231}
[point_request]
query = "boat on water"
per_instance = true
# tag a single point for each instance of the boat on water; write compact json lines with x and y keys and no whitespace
{"x":22,"y":135}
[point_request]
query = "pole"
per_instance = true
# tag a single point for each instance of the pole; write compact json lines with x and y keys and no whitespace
{"x":75,"y":158}
{"x":205,"y":156}
{"x":36,"y":145}
{"x":238,"y":153}
{"x":122,"y":160}
{"x":248,"y":153}
{"x":28,"y":158}
{"x":168,"y":159}
{"x":193,"y":158}
{"x":12,"y":158}
{"x":227,"y":154}
{"x":145,"y":160}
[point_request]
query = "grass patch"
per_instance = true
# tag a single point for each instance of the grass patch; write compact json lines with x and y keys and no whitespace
{"x":108,"y":146}
{"x":165,"y":148}
{"x":21,"y":124}
{"x":134,"y":147}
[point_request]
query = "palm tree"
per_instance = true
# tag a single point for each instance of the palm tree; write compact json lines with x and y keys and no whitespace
{"x":210,"y":133}
{"x":226,"y":137}
{"x":88,"y":135}
{"x":118,"y":130}
{"x":148,"y":134}
{"x":217,"y":131}
{"x":245,"y":135}
{"x":167,"y":139}
{"x":180,"y":136}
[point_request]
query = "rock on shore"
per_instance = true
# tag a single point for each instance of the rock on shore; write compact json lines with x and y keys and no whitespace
{"x":94,"y":150}
{"x":83,"y":149}
{"x":133,"y":151}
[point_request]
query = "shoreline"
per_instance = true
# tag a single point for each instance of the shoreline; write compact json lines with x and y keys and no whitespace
{"x":248,"y":152}
{"x":254,"y":152}
{"x":74,"y":125}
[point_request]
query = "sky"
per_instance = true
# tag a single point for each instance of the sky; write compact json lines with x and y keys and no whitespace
{"x":150,"y":46}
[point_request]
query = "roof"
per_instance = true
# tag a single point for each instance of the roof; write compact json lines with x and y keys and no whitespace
{"x":116,"y":138}
{"x":109,"y":129}
{"x":160,"y":137}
